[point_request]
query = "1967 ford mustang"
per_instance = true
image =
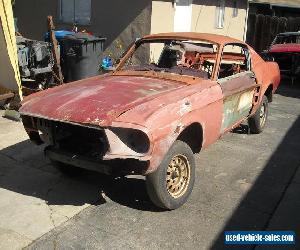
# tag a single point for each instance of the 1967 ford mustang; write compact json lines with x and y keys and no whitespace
{"x":169,"y":97}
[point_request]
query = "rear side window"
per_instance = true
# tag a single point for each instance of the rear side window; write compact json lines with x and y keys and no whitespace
{"x":235,"y":59}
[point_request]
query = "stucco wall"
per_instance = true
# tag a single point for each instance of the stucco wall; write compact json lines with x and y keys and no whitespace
{"x":118,"y":20}
{"x":204,"y":18}
{"x":9,"y":69}
{"x":7,"y":74}
{"x":124,"y":21}
{"x":162,"y":20}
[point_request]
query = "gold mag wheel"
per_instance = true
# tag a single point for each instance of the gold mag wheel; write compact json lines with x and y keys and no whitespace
{"x":178,"y":176}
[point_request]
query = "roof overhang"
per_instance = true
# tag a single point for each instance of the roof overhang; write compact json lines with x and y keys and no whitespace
{"x":279,"y":3}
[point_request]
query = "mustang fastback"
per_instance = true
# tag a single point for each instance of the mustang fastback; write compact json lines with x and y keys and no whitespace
{"x":170,"y":96}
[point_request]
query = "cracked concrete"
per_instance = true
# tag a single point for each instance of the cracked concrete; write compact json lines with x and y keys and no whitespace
{"x":12,"y":240}
{"x":28,"y":206}
{"x":240,"y":182}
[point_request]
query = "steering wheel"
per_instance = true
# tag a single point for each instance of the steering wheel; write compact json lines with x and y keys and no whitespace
{"x":206,"y":67}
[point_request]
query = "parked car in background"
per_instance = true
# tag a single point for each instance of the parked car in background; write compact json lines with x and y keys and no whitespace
{"x":151,"y":115}
{"x":285,"y":50}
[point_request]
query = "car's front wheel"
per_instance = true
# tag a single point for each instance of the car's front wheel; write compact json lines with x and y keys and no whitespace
{"x":171,"y":184}
{"x":258,"y":121}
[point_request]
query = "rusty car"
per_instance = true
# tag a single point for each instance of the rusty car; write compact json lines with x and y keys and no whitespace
{"x":285,"y":50}
{"x":170,"y":96}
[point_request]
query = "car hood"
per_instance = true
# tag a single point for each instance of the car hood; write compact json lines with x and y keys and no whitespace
{"x":284,"y":48}
{"x":96,"y":101}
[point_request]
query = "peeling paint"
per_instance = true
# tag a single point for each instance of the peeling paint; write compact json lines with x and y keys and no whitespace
{"x":160,"y":105}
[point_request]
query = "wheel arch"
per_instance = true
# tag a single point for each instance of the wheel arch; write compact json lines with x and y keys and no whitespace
{"x":192,"y":135}
{"x":269,"y":92}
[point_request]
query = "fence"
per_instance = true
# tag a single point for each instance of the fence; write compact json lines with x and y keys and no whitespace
{"x":262,"y":29}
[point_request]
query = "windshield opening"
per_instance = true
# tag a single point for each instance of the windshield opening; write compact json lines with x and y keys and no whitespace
{"x":192,"y":58}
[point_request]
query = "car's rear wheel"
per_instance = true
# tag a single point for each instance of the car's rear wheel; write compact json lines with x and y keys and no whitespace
{"x":171,"y":184}
{"x":258,"y":121}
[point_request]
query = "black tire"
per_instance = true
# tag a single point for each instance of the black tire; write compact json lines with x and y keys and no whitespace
{"x":160,"y":190}
{"x":258,"y":121}
{"x":66,"y":169}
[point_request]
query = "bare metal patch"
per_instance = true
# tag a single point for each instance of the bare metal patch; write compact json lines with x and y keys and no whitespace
{"x":246,"y":100}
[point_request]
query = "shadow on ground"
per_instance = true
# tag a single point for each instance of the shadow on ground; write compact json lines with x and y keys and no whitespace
{"x":23,"y":172}
{"x":286,"y":89}
{"x":270,"y":204}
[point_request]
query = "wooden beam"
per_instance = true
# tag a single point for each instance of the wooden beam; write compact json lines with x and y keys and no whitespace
{"x":54,"y":47}
{"x":6,"y":96}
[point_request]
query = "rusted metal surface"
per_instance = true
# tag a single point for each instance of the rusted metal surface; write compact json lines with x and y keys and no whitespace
{"x":266,"y":73}
{"x":237,"y":83}
{"x":142,"y":113}
{"x":212,"y":38}
{"x":238,"y":92}
{"x":183,"y":79}
{"x":285,"y":48}
{"x":57,"y":68}
{"x":97,"y":101}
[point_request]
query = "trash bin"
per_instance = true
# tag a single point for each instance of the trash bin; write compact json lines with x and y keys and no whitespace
{"x":59,"y":34}
{"x":82,"y":55}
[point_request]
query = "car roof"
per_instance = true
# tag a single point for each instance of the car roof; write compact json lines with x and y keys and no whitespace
{"x":289,"y":33}
{"x":207,"y":37}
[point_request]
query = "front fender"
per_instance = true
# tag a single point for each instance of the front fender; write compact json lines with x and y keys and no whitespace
{"x":165,"y":118}
{"x":205,"y":111}
{"x":120,"y":137}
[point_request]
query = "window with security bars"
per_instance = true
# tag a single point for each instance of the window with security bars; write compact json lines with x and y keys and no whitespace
{"x":75,"y":11}
{"x":220,"y":14}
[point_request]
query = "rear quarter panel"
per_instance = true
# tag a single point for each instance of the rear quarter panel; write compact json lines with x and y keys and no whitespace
{"x":267,"y":73}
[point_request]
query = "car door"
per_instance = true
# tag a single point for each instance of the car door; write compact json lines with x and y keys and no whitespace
{"x":239,"y":87}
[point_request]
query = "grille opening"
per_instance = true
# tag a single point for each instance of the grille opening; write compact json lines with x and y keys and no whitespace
{"x":76,"y":139}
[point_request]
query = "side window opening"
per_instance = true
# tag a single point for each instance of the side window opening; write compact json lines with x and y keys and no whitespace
{"x":235,"y":59}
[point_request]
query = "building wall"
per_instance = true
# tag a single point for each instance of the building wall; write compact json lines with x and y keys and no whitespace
{"x":9,"y":73}
{"x":124,"y":21}
{"x":204,"y":18}
{"x":162,"y":20}
{"x":32,"y":17}
{"x":121,"y":22}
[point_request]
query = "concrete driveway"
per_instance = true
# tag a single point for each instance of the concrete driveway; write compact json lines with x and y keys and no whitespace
{"x":244,"y":182}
